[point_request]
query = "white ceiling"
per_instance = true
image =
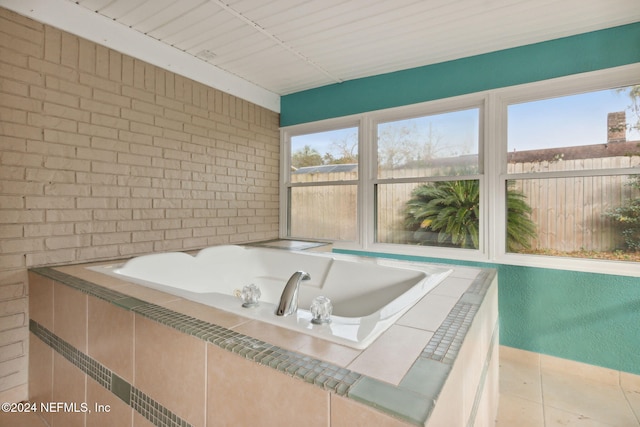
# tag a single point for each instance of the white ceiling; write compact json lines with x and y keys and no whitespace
{"x":265,"y":49}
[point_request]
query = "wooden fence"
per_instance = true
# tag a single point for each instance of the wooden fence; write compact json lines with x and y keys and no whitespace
{"x":568,"y":212}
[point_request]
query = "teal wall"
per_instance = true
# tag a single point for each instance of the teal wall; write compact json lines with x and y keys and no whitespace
{"x":591,"y":318}
{"x":586,"y":317}
{"x":541,"y":61}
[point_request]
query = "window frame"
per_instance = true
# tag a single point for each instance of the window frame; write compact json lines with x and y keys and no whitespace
{"x":493,"y":175}
{"x":286,"y":183}
{"x":554,"y":88}
{"x":432,"y":108}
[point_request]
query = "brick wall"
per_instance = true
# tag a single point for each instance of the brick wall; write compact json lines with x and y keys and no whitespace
{"x":104,"y":156}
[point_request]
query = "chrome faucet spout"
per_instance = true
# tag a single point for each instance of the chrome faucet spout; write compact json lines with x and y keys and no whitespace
{"x":289,"y":298}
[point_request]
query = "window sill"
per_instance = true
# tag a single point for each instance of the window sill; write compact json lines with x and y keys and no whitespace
{"x":466,"y":256}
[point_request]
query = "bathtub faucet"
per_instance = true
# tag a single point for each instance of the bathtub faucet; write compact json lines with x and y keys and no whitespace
{"x":289,"y":298}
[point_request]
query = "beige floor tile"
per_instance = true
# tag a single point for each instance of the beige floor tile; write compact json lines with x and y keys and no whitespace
{"x":521,"y":379}
{"x":630,"y":382}
{"x":582,"y":370}
{"x":518,"y":412}
{"x":572,"y":393}
{"x":523,"y":357}
{"x":559,"y":418}
{"x":633,"y":397}
{"x":586,"y":399}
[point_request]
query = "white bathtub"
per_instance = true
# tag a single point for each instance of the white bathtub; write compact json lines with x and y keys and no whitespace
{"x":368,"y":294}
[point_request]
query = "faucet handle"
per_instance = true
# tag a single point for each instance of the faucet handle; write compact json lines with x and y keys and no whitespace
{"x":321,"y":309}
{"x":249,"y":295}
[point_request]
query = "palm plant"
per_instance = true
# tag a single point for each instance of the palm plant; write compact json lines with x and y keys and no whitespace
{"x":520,"y":228}
{"x":446,"y":213}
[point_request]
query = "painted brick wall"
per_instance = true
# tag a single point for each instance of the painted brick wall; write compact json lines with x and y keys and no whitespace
{"x":104,"y":156}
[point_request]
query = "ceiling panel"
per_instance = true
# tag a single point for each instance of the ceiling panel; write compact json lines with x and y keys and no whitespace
{"x":142,"y":11}
{"x":118,"y":9}
{"x":286,"y":46}
{"x":203,"y":14}
{"x":94,"y":5}
{"x":158,"y":16}
{"x":205,"y":34}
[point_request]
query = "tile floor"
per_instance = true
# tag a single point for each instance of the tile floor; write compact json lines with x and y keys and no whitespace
{"x":535,"y":391}
{"x":543,"y":391}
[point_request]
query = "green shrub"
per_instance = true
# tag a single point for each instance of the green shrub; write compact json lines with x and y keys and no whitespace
{"x":627,"y":217}
{"x":446,"y":213}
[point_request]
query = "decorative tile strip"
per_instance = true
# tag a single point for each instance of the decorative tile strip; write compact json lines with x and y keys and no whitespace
{"x":154,"y":412}
{"x":481,"y":283}
{"x":447,"y":340}
{"x":89,"y":366}
{"x":143,"y":404}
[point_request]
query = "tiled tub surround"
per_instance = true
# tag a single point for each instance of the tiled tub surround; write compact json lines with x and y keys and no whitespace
{"x":157,"y":359}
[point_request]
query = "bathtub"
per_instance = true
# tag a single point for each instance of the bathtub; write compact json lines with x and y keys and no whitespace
{"x":368,"y":294}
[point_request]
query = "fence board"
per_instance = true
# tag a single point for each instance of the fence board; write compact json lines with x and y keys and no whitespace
{"x":568,"y":212}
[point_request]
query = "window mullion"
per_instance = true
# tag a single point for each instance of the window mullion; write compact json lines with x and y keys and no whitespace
{"x":366,"y":183}
{"x":495,"y":167}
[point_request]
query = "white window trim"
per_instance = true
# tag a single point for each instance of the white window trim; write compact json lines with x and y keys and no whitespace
{"x":441,"y":106}
{"x":285,"y":161}
{"x":493,"y":141}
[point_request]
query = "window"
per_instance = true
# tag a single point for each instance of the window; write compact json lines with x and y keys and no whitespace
{"x":568,"y":162}
{"x":418,"y":200}
{"x":322,"y":181}
{"x":544,"y":174}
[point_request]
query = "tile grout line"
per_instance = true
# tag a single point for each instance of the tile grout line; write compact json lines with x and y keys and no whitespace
{"x":626,"y":398}
{"x":542,"y":399}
